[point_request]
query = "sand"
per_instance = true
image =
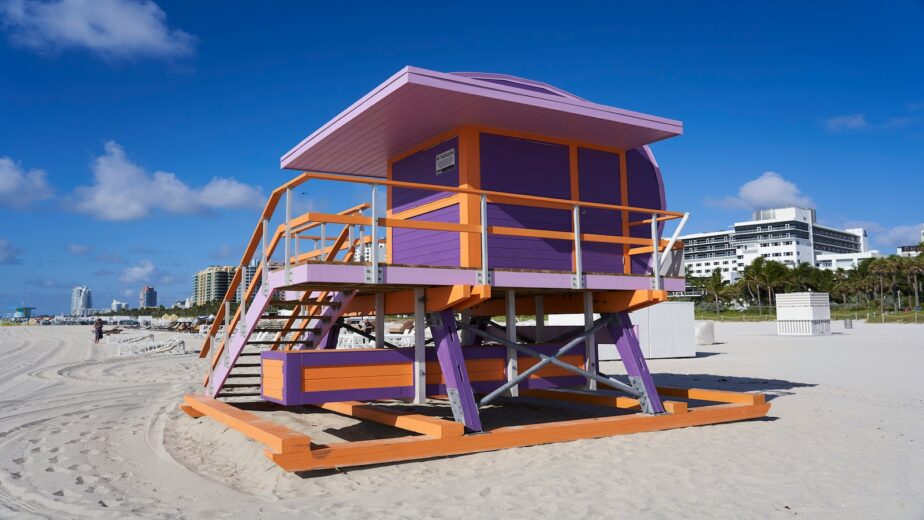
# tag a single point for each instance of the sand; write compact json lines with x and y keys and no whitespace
{"x":86,"y":434}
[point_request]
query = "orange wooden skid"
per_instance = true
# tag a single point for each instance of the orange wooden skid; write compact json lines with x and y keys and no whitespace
{"x":293,"y":452}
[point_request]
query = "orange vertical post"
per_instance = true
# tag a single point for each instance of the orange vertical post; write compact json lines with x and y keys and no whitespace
{"x":469,"y":205}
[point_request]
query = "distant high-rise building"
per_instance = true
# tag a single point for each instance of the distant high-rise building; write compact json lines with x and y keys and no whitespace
{"x":147,"y":298}
{"x":212,"y":283}
{"x":118,"y":306}
{"x":81,"y":301}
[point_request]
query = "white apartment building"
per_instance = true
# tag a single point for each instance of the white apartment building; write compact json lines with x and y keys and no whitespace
{"x":787,"y":235}
{"x":117,"y":306}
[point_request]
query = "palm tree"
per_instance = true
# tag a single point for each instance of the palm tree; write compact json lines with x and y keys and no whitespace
{"x":880,"y":268}
{"x":754,"y":277}
{"x":914,"y":267}
{"x":776,"y":276}
{"x":715,"y":286}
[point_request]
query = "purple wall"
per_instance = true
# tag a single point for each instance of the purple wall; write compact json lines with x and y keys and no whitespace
{"x":532,"y":168}
{"x":421,"y":167}
{"x":416,"y":246}
{"x":598,"y":177}
{"x":424,"y":247}
{"x":646,"y":190}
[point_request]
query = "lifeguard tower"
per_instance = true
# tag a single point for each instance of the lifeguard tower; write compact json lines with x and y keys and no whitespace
{"x":502,"y":197}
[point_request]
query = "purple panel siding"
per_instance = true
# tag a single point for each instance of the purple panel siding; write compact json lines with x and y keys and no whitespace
{"x":598,"y":177}
{"x":425,"y":247}
{"x":365,"y":394}
{"x":533,"y":168}
{"x":421,"y":167}
{"x":646,"y":190}
{"x":529,"y":253}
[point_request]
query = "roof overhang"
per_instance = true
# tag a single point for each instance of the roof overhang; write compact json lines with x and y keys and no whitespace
{"x":417,"y":104}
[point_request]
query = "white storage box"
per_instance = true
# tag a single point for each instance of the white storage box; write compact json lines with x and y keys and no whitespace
{"x":803,"y":314}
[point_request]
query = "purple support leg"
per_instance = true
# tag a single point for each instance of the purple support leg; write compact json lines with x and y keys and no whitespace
{"x":631,"y":354}
{"x":330,"y":339}
{"x":482,"y":323}
{"x":449,"y":354}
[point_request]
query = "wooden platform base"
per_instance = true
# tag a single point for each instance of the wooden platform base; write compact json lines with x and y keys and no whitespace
{"x":293,"y":451}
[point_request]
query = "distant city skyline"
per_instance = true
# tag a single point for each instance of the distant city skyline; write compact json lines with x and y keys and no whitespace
{"x":129,"y":161}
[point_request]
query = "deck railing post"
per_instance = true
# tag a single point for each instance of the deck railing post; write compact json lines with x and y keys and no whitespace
{"x":350,"y":242}
{"x":655,"y":254}
{"x":288,"y":239}
{"x":323,"y":239}
{"x":372,"y":274}
{"x":265,"y":273}
{"x":241,"y":321}
{"x":228,"y":319}
{"x":485,"y":276}
{"x":577,"y":280}
{"x":540,"y":318}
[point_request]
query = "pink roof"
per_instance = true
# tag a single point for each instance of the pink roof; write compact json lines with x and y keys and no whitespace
{"x":418,"y":104}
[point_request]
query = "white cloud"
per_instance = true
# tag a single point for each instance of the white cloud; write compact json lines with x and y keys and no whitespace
{"x":114,"y":29}
{"x":770,"y":190}
{"x":224,"y":252}
{"x":125,"y":191}
{"x":19,"y":188}
{"x":144,"y":272}
{"x":889,"y":237}
{"x":79,"y":249}
{"x":846,"y":122}
{"x":900,"y":236}
{"x":9,"y":255}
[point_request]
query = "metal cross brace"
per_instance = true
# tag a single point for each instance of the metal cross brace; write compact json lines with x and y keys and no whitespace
{"x":545,"y":360}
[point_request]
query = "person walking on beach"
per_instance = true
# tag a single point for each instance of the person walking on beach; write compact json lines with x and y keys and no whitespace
{"x":97,"y":330}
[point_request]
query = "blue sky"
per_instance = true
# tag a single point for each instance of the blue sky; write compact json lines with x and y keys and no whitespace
{"x":138,"y":138}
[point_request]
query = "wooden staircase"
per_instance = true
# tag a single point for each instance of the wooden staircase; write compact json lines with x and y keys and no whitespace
{"x":234,"y":367}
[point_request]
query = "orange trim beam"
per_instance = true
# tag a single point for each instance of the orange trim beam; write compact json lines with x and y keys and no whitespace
{"x":278,"y":438}
{"x":414,"y":448}
{"x":422,"y":424}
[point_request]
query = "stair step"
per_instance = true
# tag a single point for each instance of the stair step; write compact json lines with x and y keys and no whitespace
{"x":287,"y":341}
{"x":325,"y":303}
{"x":241,"y":385}
{"x":246,"y":365}
{"x":244,"y":375}
{"x":241,"y":394}
{"x":309,"y":329}
{"x":249,"y":353}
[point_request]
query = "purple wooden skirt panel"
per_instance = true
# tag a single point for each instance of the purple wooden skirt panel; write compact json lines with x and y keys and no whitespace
{"x":294,"y":361}
{"x":486,"y":387}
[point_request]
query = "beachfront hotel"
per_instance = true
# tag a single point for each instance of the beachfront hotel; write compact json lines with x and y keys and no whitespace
{"x":788,"y":235}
